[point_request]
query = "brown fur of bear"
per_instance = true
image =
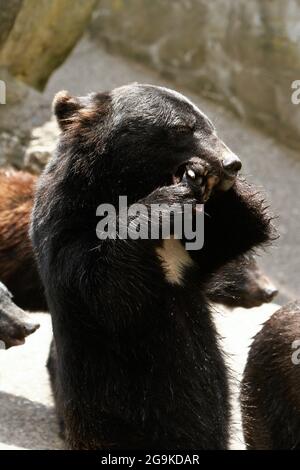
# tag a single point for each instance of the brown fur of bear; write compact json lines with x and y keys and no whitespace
{"x":17,"y":264}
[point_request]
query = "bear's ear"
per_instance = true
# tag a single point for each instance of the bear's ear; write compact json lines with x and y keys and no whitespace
{"x":65,"y":107}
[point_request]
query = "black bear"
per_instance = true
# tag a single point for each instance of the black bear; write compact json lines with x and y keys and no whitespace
{"x":270,"y":393}
{"x":18,"y":268}
{"x":15,"y":324}
{"x":240,"y":283}
{"x":138,"y":360}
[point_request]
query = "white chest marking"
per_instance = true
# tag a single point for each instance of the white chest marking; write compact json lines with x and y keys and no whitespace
{"x":174,"y":259}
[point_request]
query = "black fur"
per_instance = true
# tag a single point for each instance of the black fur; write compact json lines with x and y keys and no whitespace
{"x":138,"y":360}
{"x":270,"y":393}
{"x":241,"y":283}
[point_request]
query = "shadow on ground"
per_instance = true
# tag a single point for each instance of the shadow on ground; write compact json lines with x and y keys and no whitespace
{"x":32,"y":425}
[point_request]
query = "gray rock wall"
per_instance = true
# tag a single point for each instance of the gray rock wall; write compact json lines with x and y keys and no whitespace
{"x":35,"y":38}
{"x":243,"y":53}
{"x":37,"y":35}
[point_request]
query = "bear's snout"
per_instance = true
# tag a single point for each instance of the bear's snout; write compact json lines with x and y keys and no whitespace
{"x":231,"y":165}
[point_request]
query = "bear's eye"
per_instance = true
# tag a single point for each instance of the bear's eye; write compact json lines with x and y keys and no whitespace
{"x":184,"y":129}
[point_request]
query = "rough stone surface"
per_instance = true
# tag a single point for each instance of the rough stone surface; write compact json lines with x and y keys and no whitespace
{"x":243,"y":53}
{"x":41,"y":146}
{"x":24,"y":109}
{"x":11,"y":150}
{"x":8,"y":13}
{"x":36,"y":36}
{"x":28,"y":418}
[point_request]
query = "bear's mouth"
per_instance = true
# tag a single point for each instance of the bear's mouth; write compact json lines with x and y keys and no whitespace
{"x":13,"y":341}
{"x":202,"y":177}
{"x":178,"y":173}
{"x":15,"y":335}
{"x":226,"y":182}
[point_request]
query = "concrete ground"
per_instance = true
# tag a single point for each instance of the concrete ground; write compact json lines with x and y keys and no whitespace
{"x":27,"y":418}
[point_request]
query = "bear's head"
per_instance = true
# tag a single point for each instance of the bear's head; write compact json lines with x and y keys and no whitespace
{"x":241,"y":283}
{"x":15,"y":324}
{"x":139,"y":138}
{"x":129,"y":142}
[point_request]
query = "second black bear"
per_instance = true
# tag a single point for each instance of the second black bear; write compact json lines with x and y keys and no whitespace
{"x":271,"y":385}
{"x":138,"y":359}
{"x":241,"y":283}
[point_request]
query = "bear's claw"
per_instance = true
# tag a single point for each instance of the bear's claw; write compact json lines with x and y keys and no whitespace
{"x":197,"y":175}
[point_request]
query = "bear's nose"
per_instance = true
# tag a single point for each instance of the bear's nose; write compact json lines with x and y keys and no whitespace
{"x":29,"y":328}
{"x":231,"y":163}
{"x":270,"y":292}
